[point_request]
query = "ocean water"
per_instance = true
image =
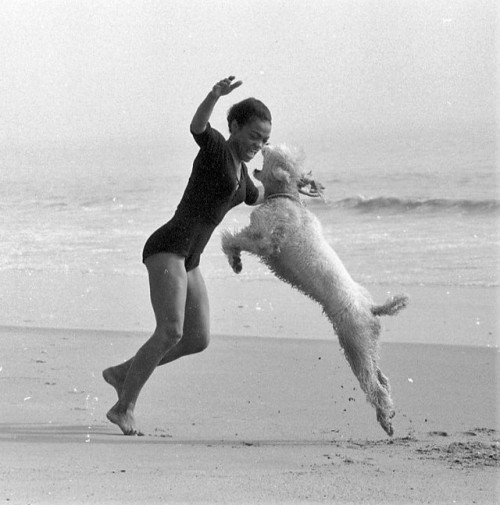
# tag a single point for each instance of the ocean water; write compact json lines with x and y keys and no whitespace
{"x":414,"y":208}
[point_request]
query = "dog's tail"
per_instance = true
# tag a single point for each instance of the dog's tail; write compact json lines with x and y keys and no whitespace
{"x":391,"y":306}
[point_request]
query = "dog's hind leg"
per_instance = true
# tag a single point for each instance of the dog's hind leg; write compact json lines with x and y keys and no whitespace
{"x":384,"y":381}
{"x":359,"y":343}
{"x":385,"y":408}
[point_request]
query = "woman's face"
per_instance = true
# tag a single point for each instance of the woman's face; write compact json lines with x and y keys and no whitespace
{"x":248,"y":140}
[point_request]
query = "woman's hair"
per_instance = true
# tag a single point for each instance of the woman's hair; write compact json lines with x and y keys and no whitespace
{"x":246,"y":110}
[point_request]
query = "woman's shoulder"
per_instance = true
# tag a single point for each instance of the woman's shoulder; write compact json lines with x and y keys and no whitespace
{"x":209,"y":136}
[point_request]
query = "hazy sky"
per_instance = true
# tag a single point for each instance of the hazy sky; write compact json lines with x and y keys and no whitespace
{"x":76,"y":69}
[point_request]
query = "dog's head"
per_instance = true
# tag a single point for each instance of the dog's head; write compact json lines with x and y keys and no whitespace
{"x":283,"y":172}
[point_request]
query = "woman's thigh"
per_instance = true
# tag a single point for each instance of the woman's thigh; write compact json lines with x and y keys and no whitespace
{"x":168,"y":284}
{"x":197,"y":313}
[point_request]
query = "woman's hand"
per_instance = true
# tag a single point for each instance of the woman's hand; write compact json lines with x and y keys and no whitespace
{"x":204,"y":111}
{"x":225,"y":86}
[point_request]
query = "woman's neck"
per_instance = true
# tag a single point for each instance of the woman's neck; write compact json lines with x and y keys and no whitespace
{"x":236,"y":159}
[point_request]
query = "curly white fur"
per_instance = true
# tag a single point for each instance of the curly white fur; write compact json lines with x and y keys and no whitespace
{"x":289,"y":240}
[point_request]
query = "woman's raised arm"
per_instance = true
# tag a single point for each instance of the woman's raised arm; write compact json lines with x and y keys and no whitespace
{"x":204,"y":111}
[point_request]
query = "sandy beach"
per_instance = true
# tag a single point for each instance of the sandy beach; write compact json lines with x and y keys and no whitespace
{"x":254,"y":419}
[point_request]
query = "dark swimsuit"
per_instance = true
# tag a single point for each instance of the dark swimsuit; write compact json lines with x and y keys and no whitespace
{"x":212,"y":190}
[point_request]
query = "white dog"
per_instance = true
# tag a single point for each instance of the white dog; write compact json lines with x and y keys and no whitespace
{"x":289,"y":240}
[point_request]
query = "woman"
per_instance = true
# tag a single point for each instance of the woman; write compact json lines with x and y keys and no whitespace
{"x":219,"y":181}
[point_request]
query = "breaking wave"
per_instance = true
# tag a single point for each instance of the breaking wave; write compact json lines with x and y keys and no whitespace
{"x":396,"y":204}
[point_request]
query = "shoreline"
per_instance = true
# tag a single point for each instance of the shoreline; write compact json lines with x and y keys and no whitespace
{"x":244,"y":306}
{"x":6,"y":329}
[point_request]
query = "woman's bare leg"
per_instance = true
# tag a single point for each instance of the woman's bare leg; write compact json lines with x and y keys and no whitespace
{"x":196,"y":332}
{"x":195,"y":338}
{"x":168,"y":281}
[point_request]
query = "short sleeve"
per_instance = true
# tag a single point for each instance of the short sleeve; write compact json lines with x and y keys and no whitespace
{"x":209,"y":138}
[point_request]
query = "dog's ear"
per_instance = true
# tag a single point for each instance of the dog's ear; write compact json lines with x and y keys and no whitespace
{"x":280,"y":175}
{"x":309,"y":186}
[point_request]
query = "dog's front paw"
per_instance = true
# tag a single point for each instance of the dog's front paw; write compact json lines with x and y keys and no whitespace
{"x":235,"y":262}
{"x":232,"y":251}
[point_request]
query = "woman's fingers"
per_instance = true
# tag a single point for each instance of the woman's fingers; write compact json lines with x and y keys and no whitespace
{"x":227,"y":85}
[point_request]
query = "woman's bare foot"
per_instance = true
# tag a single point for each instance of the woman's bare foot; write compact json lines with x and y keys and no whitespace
{"x":124,"y":419}
{"x":111,"y":376}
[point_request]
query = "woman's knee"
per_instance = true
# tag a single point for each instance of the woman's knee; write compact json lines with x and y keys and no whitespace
{"x":186,"y":346}
{"x":199,"y":344}
{"x":169,"y":335}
